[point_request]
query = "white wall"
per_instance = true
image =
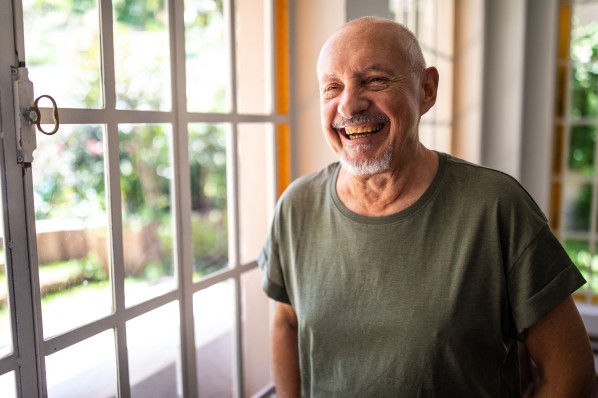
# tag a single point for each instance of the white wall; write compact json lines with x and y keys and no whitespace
{"x":503,"y":85}
{"x":518,"y":91}
{"x":312,"y":22}
{"x":467,"y":96}
{"x":538,"y":101}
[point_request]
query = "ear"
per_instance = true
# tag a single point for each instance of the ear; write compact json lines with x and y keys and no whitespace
{"x":429,"y":89}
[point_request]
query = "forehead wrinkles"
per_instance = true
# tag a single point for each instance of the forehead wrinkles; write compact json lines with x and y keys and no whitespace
{"x":371,"y":40}
{"x":361,"y":60}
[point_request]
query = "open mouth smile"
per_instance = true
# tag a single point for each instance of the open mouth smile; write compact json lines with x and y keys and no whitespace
{"x":355,"y":132}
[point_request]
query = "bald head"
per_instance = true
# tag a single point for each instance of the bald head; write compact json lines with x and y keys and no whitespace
{"x":368,"y":31}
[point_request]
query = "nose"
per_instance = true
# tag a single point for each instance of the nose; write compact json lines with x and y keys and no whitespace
{"x":352,"y":102}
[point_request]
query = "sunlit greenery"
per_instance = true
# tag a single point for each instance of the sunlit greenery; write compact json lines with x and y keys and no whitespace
{"x":581,"y":156}
{"x":584,"y":55}
{"x":74,"y":186}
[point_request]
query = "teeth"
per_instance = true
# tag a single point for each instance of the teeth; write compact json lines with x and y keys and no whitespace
{"x":356,"y":136}
{"x":363,"y":129}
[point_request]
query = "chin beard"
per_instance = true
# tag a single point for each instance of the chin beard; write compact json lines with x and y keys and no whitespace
{"x":367,"y":166}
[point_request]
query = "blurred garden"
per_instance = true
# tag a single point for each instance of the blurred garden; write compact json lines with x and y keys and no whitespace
{"x":581,"y":156}
{"x":71,"y":169}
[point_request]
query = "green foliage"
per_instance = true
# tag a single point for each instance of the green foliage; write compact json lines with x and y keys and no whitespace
{"x":70,"y":166}
{"x":581,"y":158}
{"x":145,"y":171}
{"x":579,"y":252}
{"x":210,"y":242}
{"x":203,"y":11}
{"x":584,"y":104}
{"x":70,"y":6}
{"x":60,"y":275}
{"x":69,"y":174}
{"x":92,"y":269}
{"x":207,"y":162}
{"x":584,"y":55}
{"x":579,"y":218}
{"x":140,"y":14}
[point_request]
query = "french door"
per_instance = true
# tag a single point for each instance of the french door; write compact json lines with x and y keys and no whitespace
{"x":140,"y":146}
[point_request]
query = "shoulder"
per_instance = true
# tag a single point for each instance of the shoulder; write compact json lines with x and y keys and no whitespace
{"x":309,"y":185}
{"x":483,"y":186}
{"x":485,"y":180}
{"x":468,"y":172}
{"x":302,"y":202}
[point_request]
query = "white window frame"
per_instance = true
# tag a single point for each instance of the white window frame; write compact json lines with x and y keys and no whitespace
{"x":30,"y":349}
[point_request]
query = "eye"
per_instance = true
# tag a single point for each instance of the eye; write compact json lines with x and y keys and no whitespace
{"x":376,"y":80}
{"x":330,"y":91}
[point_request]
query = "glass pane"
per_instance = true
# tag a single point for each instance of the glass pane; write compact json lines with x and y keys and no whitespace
{"x":145,"y":177}
{"x":579,"y":251}
{"x":86,"y":369}
{"x":142,"y":55}
{"x":583,"y":45}
{"x":256,"y":333}
{"x":584,"y":54}
{"x":253,"y":78}
{"x":578,"y":199}
{"x":62,"y":46}
{"x":7,"y":385}
{"x":255,"y":144}
{"x":582,"y":146}
{"x":584,"y":98}
{"x":213,"y":311}
{"x":207,"y":162}
{"x":206,"y":57}
{"x":72,"y":227}
{"x":584,"y":14}
{"x":153,"y":344}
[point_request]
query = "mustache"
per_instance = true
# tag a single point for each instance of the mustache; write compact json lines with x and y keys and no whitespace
{"x":361,"y":118}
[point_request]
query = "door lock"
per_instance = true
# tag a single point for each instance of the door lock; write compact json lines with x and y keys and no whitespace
{"x":28,"y":115}
{"x":33,"y":115}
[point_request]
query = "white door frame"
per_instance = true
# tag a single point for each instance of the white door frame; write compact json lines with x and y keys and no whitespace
{"x":18,"y":229}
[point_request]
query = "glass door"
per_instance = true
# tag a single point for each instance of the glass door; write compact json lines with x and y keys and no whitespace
{"x":144,"y":213}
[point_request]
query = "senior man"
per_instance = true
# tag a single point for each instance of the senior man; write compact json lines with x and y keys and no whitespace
{"x":404,"y":272}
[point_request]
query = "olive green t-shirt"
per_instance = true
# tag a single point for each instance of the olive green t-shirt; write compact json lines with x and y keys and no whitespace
{"x":428,"y":302}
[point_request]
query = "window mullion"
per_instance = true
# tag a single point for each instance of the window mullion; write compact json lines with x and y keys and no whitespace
{"x":232,"y":202}
{"x":181,"y":200}
{"x":114,"y":200}
{"x":107,"y":54}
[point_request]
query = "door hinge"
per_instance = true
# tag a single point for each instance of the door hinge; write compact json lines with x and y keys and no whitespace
{"x":25,"y":114}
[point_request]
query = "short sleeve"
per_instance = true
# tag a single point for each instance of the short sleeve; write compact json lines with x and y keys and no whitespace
{"x":272,"y":275}
{"x":542,"y":277}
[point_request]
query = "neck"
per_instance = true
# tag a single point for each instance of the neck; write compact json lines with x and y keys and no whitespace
{"x":391,"y":191}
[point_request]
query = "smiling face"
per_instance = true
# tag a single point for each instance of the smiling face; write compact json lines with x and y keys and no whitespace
{"x":372,"y":94}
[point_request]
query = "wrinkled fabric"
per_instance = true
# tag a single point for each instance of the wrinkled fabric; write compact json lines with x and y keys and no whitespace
{"x":428,"y":302}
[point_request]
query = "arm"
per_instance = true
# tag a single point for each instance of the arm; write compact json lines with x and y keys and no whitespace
{"x":285,"y":352}
{"x":559,"y":346}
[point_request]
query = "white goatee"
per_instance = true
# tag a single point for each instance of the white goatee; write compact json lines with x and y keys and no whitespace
{"x":367,"y":166}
